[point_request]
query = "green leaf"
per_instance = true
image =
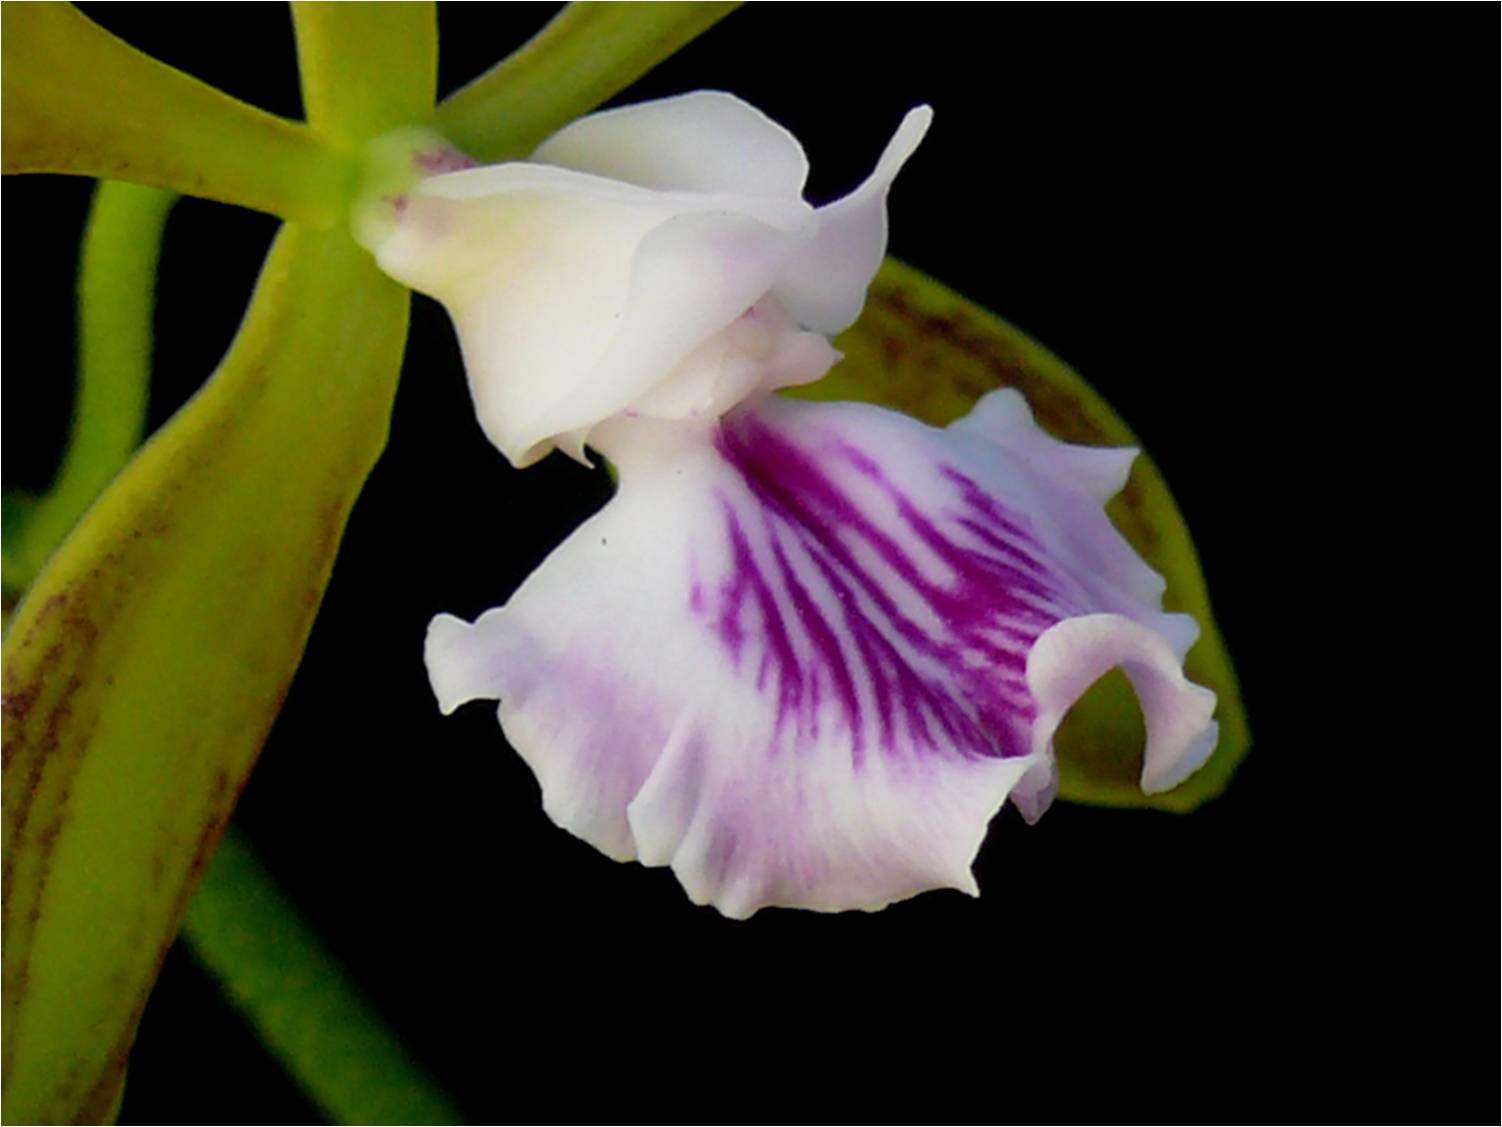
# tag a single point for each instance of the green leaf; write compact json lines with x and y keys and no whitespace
{"x":116,"y":291}
{"x":276,"y":971}
{"x":149,"y":659}
{"x":589,"y":53}
{"x":366,"y":67}
{"x":925,"y":350}
{"x":78,"y":100}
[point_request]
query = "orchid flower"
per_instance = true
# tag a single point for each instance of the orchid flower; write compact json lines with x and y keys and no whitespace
{"x":809,"y":650}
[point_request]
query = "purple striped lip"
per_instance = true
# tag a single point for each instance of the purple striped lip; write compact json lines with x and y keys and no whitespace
{"x":824,"y":604}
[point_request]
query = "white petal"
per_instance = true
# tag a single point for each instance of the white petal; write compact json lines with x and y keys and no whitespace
{"x":1074,"y":482}
{"x":1036,"y":790}
{"x":825,"y":286}
{"x":462,"y":661}
{"x":706,"y":141}
{"x":761,"y":351}
{"x":1004,"y":419}
{"x":562,"y":709}
{"x":599,"y":283}
{"x":691,"y":277}
{"x":1072,"y":655}
{"x":791,"y":658}
{"x":574,"y":295}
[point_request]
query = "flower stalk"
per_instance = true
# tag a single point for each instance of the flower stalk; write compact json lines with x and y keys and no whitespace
{"x":116,"y":291}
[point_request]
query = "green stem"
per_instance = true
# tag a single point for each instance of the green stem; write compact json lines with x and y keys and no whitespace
{"x":302,"y":1004}
{"x":590,"y":52}
{"x":116,"y":291}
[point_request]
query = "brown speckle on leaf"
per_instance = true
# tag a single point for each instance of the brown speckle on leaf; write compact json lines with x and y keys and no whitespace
{"x":958,"y":333}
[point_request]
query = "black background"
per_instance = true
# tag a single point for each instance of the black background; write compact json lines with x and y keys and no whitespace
{"x":1218,"y":216}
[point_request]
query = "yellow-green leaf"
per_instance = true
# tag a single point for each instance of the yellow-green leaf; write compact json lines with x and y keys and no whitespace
{"x":925,"y":350}
{"x":78,"y":100}
{"x":366,"y":68}
{"x":589,"y":53}
{"x":146,"y":664}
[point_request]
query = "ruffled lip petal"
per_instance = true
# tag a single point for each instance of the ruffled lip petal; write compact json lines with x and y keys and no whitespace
{"x":803,"y":657}
{"x":856,"y":848}
{"x":1004,"y":420}
{"x":461,"y":661}
{"x":1072,"y":655}
{"x":1036,"y":790}
{"x":778,"y":747}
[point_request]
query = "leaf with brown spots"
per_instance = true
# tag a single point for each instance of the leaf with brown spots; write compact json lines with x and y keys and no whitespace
{"x":149,"y":659}
{"x":923,"y":349}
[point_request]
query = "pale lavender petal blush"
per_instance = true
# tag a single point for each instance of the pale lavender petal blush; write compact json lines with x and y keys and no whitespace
{"x":799,"y":662}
